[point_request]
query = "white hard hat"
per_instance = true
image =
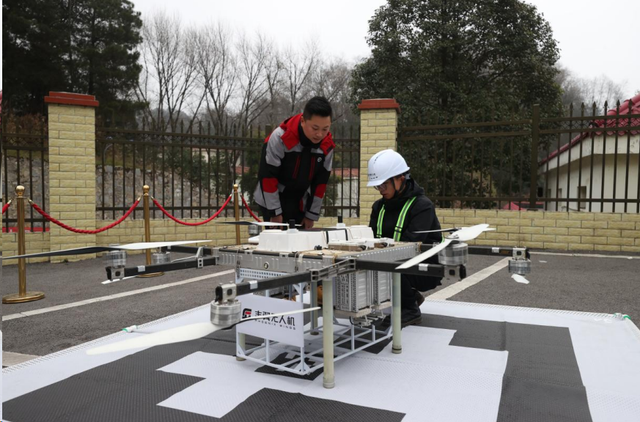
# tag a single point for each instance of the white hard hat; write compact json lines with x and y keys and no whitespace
{"x":384,"y":165}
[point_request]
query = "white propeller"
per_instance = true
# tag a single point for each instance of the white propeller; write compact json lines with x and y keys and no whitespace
{"x":96,"y":249}
{"x":178,"y":334}
{"x":519,"y":278}
{"x":116,"y":280}
{"x":462,"y":235}
{"x":255,"y":223}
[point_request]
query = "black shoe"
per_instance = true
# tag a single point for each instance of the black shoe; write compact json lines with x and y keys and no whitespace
{"x":411,"y":316}
{"x":419,"y":297}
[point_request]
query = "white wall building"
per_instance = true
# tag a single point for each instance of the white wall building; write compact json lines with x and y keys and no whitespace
{"x":568,"y":172}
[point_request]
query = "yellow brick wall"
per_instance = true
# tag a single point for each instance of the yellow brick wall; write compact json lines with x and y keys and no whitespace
{"x":610,"y":232}
{"x":378,"y":130}
{"x":604,"y":232}
{"x":72,"y":181}
{"x":35,"y":242}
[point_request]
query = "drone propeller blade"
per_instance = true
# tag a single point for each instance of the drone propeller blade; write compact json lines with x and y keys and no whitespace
{"x":96,"y":249}
{"x":453,"y":229}
{"x":115,"y":281}
{"x":173,"y":335}
{"x":179,"y":334}
{"x":154,"y":245}
{"x":255,"y":223}
{"x":519,"y":278}
{"x":75,"y":251}
{"x":424,"y":255}
{"x":470,"y":233}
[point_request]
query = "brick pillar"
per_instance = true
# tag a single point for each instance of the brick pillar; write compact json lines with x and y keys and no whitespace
{"x":378,"y":129}
{"x":72,"y":170}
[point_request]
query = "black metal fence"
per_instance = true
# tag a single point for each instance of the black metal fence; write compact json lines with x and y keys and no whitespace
{"x":25,"y":161}
{"x":577,"y":161}
{"x":192,"y":172}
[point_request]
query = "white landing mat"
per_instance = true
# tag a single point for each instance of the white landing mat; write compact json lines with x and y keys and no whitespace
{"x":466,"y":362}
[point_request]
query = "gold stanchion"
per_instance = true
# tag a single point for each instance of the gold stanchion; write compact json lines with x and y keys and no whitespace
{"x":147,"y":230}
{"x":236,"y":211}
{"x":23,"y":295}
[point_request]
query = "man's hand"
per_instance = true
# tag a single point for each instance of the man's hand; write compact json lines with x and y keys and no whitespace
{"x":307,"y":223}
{"x":276,"y":219}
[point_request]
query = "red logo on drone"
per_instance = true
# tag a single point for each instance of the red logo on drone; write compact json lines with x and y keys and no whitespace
{"x":246,"y":313}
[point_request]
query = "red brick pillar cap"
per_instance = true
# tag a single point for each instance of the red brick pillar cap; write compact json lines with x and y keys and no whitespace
{"x":379,"y":104}
{"x":71,"y":99}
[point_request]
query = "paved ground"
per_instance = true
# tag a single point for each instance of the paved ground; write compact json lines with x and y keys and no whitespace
{"x":589,"y":283}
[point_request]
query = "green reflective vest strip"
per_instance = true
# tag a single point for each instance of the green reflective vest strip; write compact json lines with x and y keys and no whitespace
{"x":397,"y":232}
{"x":380,"y":219}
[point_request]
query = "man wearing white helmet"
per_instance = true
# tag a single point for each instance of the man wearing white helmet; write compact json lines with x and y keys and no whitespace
{"x":403,"y":210}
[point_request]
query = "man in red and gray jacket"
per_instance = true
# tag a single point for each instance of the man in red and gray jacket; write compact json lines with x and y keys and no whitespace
{"x":295,"y":166}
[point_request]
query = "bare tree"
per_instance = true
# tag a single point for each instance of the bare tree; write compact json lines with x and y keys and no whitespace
{"x":253,"y":59}
{"x":602,"y":89}
{"x":168,"y":81}
{"x":571,"y":87}
{"x":217,"y":70}
{"x":331,"y":80}
{"x":273,"y":73}
{"x":596,"y":90}
{"x":297,"y":68}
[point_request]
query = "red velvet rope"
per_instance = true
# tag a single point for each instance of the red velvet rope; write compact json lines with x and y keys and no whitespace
{"x":191,"y":224}
{"x":64,"y":226}
{"x":6,"y":207}
{"x":249,"y":209}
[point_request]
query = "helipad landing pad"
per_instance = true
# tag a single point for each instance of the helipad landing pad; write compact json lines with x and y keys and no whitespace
{"x":466,"y":362}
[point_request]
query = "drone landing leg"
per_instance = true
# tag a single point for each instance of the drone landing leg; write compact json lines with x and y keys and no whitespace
{"x":241,"y":343}
{"x":313,"y":291}
{"x":328,"y":377}
{"x":397,"y":315}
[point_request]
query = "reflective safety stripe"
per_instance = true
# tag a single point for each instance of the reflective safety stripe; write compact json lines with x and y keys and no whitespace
{"x":397,"y":232}
{"x":380,"y":219}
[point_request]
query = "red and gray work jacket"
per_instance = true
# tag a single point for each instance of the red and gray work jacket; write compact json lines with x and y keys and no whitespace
{"x":293,"y":169}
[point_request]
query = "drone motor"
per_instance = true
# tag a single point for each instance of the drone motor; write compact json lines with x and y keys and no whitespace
{"x":117,"y":260}
{"x":519,"y":264}
{"x":226,"y":313}
{"x":455,"y":255}
{"x":161,"y":258}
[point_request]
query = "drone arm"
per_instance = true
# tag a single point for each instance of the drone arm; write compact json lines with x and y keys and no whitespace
{"x":169,"y":266}
{"x":494,"y":250}
{"x":230,"y":292}
{"x":431,"y":270}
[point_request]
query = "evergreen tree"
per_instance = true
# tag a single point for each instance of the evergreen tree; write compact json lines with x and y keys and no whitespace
{"x":455,"y":57}
{"x":83,"y":46}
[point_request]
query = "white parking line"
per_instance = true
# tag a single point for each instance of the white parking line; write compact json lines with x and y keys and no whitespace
{"x":586,"y":255}
{"x":475,"y":278}
{"x":111,"y":297}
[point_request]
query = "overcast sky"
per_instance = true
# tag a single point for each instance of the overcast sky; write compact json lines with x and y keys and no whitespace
{"x":596,"y":37}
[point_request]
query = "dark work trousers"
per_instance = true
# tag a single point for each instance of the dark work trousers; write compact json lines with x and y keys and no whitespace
{"x":419,"y":283}
{"x":290,"y":210}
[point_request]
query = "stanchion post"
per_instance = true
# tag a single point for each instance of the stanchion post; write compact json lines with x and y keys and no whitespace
{"x":23,"y":295}
{"x":147,"y":223}
{"x":147,"y":229}
{"x":236,"y":211}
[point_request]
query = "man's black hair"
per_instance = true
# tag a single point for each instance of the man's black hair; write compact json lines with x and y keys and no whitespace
{"x":317,"y":106}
